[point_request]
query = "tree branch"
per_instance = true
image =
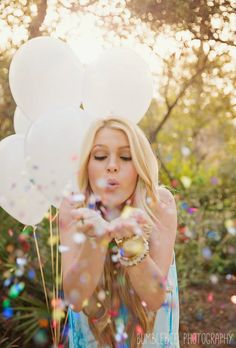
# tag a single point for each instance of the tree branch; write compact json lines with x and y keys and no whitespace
{"x":171,"y":106}
{"x":37,"y":21}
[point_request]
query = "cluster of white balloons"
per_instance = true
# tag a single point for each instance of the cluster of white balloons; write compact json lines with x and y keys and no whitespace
{"x":39,"y":164}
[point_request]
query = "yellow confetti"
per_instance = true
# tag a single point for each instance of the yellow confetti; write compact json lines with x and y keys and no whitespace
{"x":53,"y":240}
{"x":186,"y":181}
{"x":85,"y":303}
{"x":58,"y":314}
{"x":127,"y":211}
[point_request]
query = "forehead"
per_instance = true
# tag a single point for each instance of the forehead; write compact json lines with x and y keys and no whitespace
{"x":109,"y":136}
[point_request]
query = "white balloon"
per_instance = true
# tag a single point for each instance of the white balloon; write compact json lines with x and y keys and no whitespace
{"x":45,"y":75}
{"x":21,"y":122}
{"x":118,"y":84}
{"x":52,"y":147}
{"x":19,"y":197}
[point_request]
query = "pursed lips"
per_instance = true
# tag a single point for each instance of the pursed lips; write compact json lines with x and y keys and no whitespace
{"x":112,"y":183}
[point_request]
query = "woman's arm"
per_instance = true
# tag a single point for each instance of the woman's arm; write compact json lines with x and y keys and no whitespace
{"x":82,"y":264}
{"x":147,"y":277}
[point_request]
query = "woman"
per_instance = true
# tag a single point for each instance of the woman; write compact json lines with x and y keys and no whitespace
{"x":119,"y":273}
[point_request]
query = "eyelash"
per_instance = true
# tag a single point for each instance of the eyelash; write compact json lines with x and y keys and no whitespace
{"x":101,"y":158}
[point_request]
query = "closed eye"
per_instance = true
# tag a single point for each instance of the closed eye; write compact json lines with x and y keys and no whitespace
{"x":126,"y":158}
{"x":101,"y":158}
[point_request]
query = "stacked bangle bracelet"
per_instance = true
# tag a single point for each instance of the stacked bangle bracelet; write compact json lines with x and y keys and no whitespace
{"x":134,"y":260}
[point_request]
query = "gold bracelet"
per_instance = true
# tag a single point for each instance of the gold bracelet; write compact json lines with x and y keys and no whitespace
{"x":133,"y":261}
{"x":134,"y":245}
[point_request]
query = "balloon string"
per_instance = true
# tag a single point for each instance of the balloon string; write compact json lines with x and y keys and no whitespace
{"x":42,"y":275}
{"x":57,"y":275}
{"x":52,"y":218}
{"x":53,"y":269}
{"x":62,"y":335}
{"x":51,"y":245}
{"x":60,"y":288}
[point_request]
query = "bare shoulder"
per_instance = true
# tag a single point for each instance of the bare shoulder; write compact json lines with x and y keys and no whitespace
{"x":165,"y":209}
{"x":165,"y":196}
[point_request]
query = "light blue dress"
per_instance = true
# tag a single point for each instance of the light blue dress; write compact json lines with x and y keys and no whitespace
{"x":166,"y":326}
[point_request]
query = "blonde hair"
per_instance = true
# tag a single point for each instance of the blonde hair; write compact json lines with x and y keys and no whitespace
{"x":115,"y":281}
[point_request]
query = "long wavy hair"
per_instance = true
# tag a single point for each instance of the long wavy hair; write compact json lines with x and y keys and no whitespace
{"x":115,"y":281}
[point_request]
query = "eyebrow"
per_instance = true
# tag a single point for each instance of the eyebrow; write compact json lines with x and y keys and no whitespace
{"x":103,"y":145}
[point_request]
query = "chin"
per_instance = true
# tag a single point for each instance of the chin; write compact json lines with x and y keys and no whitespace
{"x":113,"y":202}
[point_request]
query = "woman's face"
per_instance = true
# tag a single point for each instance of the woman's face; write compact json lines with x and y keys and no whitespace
{"x":111,"y":172}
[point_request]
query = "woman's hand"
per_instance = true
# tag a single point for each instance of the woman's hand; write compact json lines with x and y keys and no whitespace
{"x":128,"y":224}
{"x":89,"y":222}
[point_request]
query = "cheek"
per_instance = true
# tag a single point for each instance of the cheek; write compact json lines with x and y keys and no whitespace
{"x":95,"y":171}
{"x":92,"y":173}
{"x":131,"y":177}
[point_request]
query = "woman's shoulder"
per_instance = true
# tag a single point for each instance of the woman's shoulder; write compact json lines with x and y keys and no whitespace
{"x":165,"y":195}
{"x":165,"y":206}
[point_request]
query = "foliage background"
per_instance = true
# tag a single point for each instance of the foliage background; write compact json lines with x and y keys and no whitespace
{"x":191,"y":125}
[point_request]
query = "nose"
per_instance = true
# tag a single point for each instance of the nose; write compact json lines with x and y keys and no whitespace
{"x":112,"y":166}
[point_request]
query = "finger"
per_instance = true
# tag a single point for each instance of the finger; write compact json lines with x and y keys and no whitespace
{"x":84,"y":227}
{"x":75,"y":213}
{"x":121,"y":233}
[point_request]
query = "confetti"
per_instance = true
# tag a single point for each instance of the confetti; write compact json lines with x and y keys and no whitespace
{"x":192,"y":210}
{"x":9,"y":248}
{"x":233,"y":299}
{"x":149,"y":200}
{"x":7,"y":313}
{"x":52,"y":240}
{"x":231,"y":226}
{"x":41,"y":337}
{"x":57,"y":302}
{"x":213,"y":235}
{"x":214,"y":180}
{"x":101,"y":295}
{"x":21,"y":261}
{"x":43,"y":323}
{"x":210,"y":297}
{"x":19,"y":272}
{"x":79,"y":237}
{"x":206,"y":253}
{"x":138,"y":329}
{"x":58,"y":314}
{"x":6,"y":303}
{"x":214,"y":279}
{"x":63,"y":248}
{"x":101,"y":183}
{"x":7,"y":282}
{"x":85,"y":303}
{"x":78,"y":198}
{"x":127,"y":211}
{"x":85,"y":278}
{"x":186,"y":181}
{"x":115,"y":258}
{"x":31,"y":274}
{"x":185,"y":151}
{"x":199,"y":315}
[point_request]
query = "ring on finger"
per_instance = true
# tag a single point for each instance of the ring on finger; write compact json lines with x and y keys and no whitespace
{"x":80,"y":223}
